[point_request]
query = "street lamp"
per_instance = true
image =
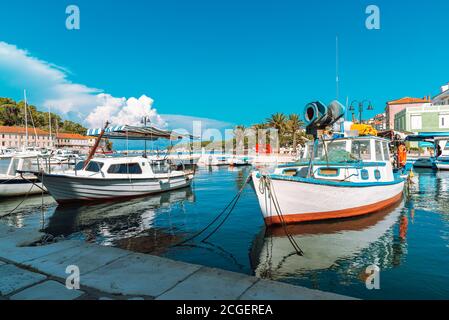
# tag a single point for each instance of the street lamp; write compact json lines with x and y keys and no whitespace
{"x":361,"y":104}
{"x":144,"y":121}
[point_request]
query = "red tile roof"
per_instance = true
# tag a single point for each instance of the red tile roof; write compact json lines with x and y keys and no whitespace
{"x":22,"y":130}
{"x":409,"y":100}
{"x":74,"y":136}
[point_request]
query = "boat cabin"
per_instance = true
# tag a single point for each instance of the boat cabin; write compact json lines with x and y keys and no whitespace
{"x":364,"y":159}
{"x":122,"y":167}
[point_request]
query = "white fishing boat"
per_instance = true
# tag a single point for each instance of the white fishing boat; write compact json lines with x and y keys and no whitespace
{"x":442,"y":163}
{"x":425,"y":162}
{"x":432,"y":141}
{"x":214,"y":160}
{"x":239,"y":161}
{"x":112,"y":178}
{"x":340,"y":178}
{"x":13,"y":182}
{"x":109,"y":178}
{"x":7,"y":153}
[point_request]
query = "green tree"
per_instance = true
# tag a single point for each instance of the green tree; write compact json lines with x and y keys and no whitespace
{"x":294,"y":125}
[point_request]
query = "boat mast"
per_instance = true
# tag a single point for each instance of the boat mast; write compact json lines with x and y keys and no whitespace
{"x":49,"y":124}
{"x":26,"y":118}
{"x":95,"y":147}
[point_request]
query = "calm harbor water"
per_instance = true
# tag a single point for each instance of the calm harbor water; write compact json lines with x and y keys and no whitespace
{"x":410,"y":243}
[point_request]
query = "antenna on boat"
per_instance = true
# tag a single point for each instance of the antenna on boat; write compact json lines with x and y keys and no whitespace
{"x":337,"y":78}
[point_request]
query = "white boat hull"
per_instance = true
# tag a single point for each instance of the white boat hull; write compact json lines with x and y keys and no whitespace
{"x":65,"y":188}
{"x":18,"y":187}
{"x":301,"y":201}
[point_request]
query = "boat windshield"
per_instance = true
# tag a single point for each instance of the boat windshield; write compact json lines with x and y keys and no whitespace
{"x":335,"y":152}
{"x":94,"y":166}
{"x":341,"y":151}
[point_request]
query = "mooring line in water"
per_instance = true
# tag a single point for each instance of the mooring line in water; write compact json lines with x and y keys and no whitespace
{"x":21,"y":202}
{"x":230,"y":205}
{"x":266,"y":183}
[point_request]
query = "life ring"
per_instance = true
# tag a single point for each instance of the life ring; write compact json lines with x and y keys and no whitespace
{"x":402,"y":156}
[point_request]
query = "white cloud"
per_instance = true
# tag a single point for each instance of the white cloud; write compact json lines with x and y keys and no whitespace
{"x":121,"y":111}
{"x":48,"y":86}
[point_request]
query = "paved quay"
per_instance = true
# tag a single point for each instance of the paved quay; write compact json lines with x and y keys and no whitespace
{"x":39,"y":272}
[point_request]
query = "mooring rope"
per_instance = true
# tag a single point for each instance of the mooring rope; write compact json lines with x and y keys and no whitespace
{"x":230,"y":205}
{"x":266,"y":184}
{"x":21,"y":202}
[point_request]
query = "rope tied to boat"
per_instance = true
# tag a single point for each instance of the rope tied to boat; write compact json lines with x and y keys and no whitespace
{"x":231,"y":206}
{"x":266,"y":187}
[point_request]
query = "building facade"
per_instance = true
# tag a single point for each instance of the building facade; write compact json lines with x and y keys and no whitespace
{"x":433,"y":118}
{"x":73,"y":141}
{"x":443,"y":97}
{"x":15,"y":137}
{"x":396,"y":106}
{"x":379,"y":122}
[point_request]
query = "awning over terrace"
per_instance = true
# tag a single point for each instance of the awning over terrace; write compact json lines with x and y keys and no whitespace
{"x":138,"y":133}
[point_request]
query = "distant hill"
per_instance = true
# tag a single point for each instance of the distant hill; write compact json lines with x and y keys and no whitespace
{"x":12,"y":113}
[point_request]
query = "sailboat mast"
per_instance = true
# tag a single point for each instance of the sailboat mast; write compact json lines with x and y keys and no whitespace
{"x":26,"y":118}
{"x":49,"y":124}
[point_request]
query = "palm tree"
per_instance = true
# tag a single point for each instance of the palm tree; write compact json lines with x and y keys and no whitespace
{"x":278,"y":122}
{"x":294,"y":124}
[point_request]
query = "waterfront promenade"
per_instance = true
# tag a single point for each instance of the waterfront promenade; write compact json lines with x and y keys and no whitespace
{"x":39,"y":272}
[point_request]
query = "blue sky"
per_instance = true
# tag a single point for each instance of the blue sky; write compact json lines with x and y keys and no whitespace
{"x":233,"y":61}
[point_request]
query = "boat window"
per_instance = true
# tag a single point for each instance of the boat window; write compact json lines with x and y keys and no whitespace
{"x":125,"y":168}
{"x":386,"y":151}
{"x":361,"y":149}
{"x":160,"y":167}
{"x":79,"y":165}
{"x":379,"y":156}
{"x":94,"y":166}
{"x":336,"y":152}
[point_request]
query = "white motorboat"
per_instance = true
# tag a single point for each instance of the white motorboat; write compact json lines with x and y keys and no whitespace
{"x":113,"y":178}
{"x":14,"y":183}
{"x":425,"y":162}
{"x":213,"y":160}
{"x":239,"y":161}
{"x":7,"y":153}
{"x":442,"y":163}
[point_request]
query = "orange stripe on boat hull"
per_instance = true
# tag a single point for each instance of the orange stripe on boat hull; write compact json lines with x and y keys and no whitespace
{"x":346,"y":213}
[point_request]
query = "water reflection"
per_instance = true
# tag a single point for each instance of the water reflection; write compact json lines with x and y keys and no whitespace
{"x":130,"y":225}
{"x":344,"y":246}
{"x":15,"y":210}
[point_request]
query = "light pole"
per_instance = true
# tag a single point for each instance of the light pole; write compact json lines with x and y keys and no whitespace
{"x":361,"y":104}
{"x":144,"y":121}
